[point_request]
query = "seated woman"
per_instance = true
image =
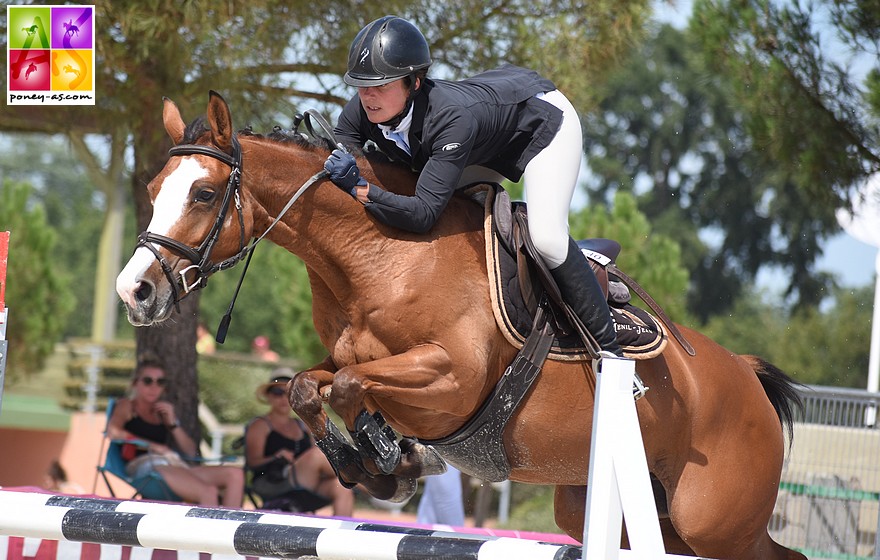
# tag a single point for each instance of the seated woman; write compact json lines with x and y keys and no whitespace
{"x":145,"y":416}
{"x":278,"y":440}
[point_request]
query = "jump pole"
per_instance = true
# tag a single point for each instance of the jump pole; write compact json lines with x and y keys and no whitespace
{"x":4,"y":311}
{"x":619,"y":485}
{"x":249,"y":533}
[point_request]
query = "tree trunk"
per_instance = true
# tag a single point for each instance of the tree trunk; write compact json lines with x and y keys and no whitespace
{"x":174,"y":341}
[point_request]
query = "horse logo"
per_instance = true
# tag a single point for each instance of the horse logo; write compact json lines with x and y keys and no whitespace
{"x":30,"y":70}
{"x":68,"y":69}
{"x":364,"y":54}
{"x":30,"y":30}
{"x":70,"y":28}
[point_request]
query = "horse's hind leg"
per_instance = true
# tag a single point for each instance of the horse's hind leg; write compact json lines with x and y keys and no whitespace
{"x":569,"y":504}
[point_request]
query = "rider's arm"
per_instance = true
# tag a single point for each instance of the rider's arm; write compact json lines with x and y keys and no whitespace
{"x":450,"y":149}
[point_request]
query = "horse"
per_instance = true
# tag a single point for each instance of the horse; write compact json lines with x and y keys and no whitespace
{"x":412,"y":341}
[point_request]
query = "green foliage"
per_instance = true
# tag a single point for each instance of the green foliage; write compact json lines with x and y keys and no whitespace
{"x":37,"y":291}
{"x":73,"y":209}
{"x":532,"y":509}
{"x":823,"y":347}
{"x":275,"y":301}
{"x":792,"y":67}
{"x":670,"y":131}
{"x":653,"y":259}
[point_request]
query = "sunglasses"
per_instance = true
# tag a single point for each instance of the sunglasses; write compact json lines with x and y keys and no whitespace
{"x":275,"y":391}
{"x":160,"y":381}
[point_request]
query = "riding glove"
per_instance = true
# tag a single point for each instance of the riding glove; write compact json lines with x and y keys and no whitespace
{"x":344,"y":171}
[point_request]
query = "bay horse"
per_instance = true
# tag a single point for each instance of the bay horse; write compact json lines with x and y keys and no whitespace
{"x":407,"y":322}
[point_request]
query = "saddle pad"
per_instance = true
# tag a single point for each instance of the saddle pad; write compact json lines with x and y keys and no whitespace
{"x":639,"y":333}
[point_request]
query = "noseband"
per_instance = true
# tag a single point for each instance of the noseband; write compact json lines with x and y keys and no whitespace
{"x":200,"y":256}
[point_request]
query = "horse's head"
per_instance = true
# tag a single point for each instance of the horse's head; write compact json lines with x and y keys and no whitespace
{"x":199,"y":223}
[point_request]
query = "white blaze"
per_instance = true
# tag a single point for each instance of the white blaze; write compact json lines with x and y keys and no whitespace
{"x":167,"y":209}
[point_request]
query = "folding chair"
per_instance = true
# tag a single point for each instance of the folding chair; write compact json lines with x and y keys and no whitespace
{"x":298,"y":500}
{"x":150,"y":486}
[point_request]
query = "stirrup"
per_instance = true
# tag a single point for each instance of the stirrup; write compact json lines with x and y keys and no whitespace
{"x":639,"y":387}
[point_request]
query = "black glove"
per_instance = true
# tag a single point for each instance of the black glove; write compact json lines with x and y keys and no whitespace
{"x":344,"y":171}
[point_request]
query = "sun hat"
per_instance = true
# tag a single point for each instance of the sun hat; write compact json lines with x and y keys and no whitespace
{"x":280,"y":377}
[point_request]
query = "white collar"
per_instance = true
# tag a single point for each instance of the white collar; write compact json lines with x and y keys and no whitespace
{"x":403,"y":127}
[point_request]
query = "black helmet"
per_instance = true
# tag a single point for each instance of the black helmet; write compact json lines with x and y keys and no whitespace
{"x":386,"y":50}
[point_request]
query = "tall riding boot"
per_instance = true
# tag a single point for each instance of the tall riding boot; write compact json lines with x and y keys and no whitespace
{"x":581,"y":291}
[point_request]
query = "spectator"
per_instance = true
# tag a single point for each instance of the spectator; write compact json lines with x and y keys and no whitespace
{"x":56,"y":480}
{"x":442,"y":501}
{"x":260,"y":347}
{"x":278,"y":441}
{"x":145,"y":416}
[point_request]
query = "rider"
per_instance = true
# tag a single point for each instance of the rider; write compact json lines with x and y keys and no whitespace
{"x":508,"y":122}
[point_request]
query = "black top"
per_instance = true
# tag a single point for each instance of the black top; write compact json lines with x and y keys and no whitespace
{"x":492,"y":119}
{"x":276,"y":441}
{"x":140,"y":428}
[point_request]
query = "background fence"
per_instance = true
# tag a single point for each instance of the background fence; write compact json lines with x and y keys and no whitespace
{"x":830,"y":492}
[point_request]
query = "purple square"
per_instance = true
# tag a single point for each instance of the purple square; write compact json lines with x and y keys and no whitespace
{"x":72,"y":27}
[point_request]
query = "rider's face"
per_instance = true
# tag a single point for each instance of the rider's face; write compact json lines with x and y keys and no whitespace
{"x":383,"y":102}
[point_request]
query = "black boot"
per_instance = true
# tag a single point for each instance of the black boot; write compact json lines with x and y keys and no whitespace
{"x":581,"y":291}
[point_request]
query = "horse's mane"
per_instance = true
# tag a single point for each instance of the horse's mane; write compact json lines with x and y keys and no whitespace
{"x":199,"y":127}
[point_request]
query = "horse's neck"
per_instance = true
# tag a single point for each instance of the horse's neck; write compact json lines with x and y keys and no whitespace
{"x":325,"y":227}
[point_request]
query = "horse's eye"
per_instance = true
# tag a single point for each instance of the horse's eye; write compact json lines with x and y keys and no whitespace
{"x":204,"y":195}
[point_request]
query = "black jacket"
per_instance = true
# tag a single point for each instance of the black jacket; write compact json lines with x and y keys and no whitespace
{"x":492,"y":119}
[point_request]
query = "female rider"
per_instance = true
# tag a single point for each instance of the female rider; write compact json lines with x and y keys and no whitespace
{"x":508,"y":122}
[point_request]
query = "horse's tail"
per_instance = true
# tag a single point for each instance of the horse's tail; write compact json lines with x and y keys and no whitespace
{"x":780,"y":389}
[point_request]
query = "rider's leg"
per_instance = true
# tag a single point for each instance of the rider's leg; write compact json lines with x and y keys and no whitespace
{"x":549,"y":181}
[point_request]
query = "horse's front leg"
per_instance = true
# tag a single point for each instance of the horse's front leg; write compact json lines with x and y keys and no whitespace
{"x":306,"y":399}
{"x":403,"y":387}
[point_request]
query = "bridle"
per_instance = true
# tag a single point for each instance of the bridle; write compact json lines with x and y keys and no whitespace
{"x":200,"y":256}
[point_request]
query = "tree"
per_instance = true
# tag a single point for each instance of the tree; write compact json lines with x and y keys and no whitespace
{"x":807,"y":75}
{"x":669,"y":130}
{"x":653,"y":259}
{"x":828,"y":346}
{"x":74,"y":211}
{"x":37,"y":289}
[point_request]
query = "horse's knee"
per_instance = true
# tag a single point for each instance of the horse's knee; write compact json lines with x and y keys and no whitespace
{"x":346,"y":395}
{"x":303,"y":395}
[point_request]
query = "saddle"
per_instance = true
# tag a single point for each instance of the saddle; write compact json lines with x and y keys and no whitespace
{"x":520,"y":283}
{"x":529,"y":310}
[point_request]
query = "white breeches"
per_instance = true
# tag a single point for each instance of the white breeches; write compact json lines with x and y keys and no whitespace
{"x":549,"y":182}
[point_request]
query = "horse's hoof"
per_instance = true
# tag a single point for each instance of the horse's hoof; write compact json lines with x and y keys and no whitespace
{"x":406,"y":489}
{"x":396,"y":489}
{"x":422,"y":459}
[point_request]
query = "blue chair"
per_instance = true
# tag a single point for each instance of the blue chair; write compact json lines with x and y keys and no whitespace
{"x":150,"y":486}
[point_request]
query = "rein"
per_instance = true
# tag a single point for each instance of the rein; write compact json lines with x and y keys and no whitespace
{"x":200,"y":256}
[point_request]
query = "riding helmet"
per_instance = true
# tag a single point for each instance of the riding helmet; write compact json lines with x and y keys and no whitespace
{"x":386,"y":50}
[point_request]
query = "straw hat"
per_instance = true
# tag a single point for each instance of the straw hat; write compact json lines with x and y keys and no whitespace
{"x":280,"y":377}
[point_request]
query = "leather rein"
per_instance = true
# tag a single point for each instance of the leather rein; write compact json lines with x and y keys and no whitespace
{"x":200,"y":256}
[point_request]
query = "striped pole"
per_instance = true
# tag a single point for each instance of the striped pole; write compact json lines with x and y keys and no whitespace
{"x":249,"y":533}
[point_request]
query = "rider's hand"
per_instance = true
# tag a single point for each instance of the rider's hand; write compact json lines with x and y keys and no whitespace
{"x":344,"y":171}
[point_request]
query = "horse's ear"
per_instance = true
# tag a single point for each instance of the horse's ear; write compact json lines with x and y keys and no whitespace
{"x":221,"y":122}
{"x":173,"y":121}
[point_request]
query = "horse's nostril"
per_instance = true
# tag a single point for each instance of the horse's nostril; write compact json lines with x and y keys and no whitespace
{"x":144,"y":292}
